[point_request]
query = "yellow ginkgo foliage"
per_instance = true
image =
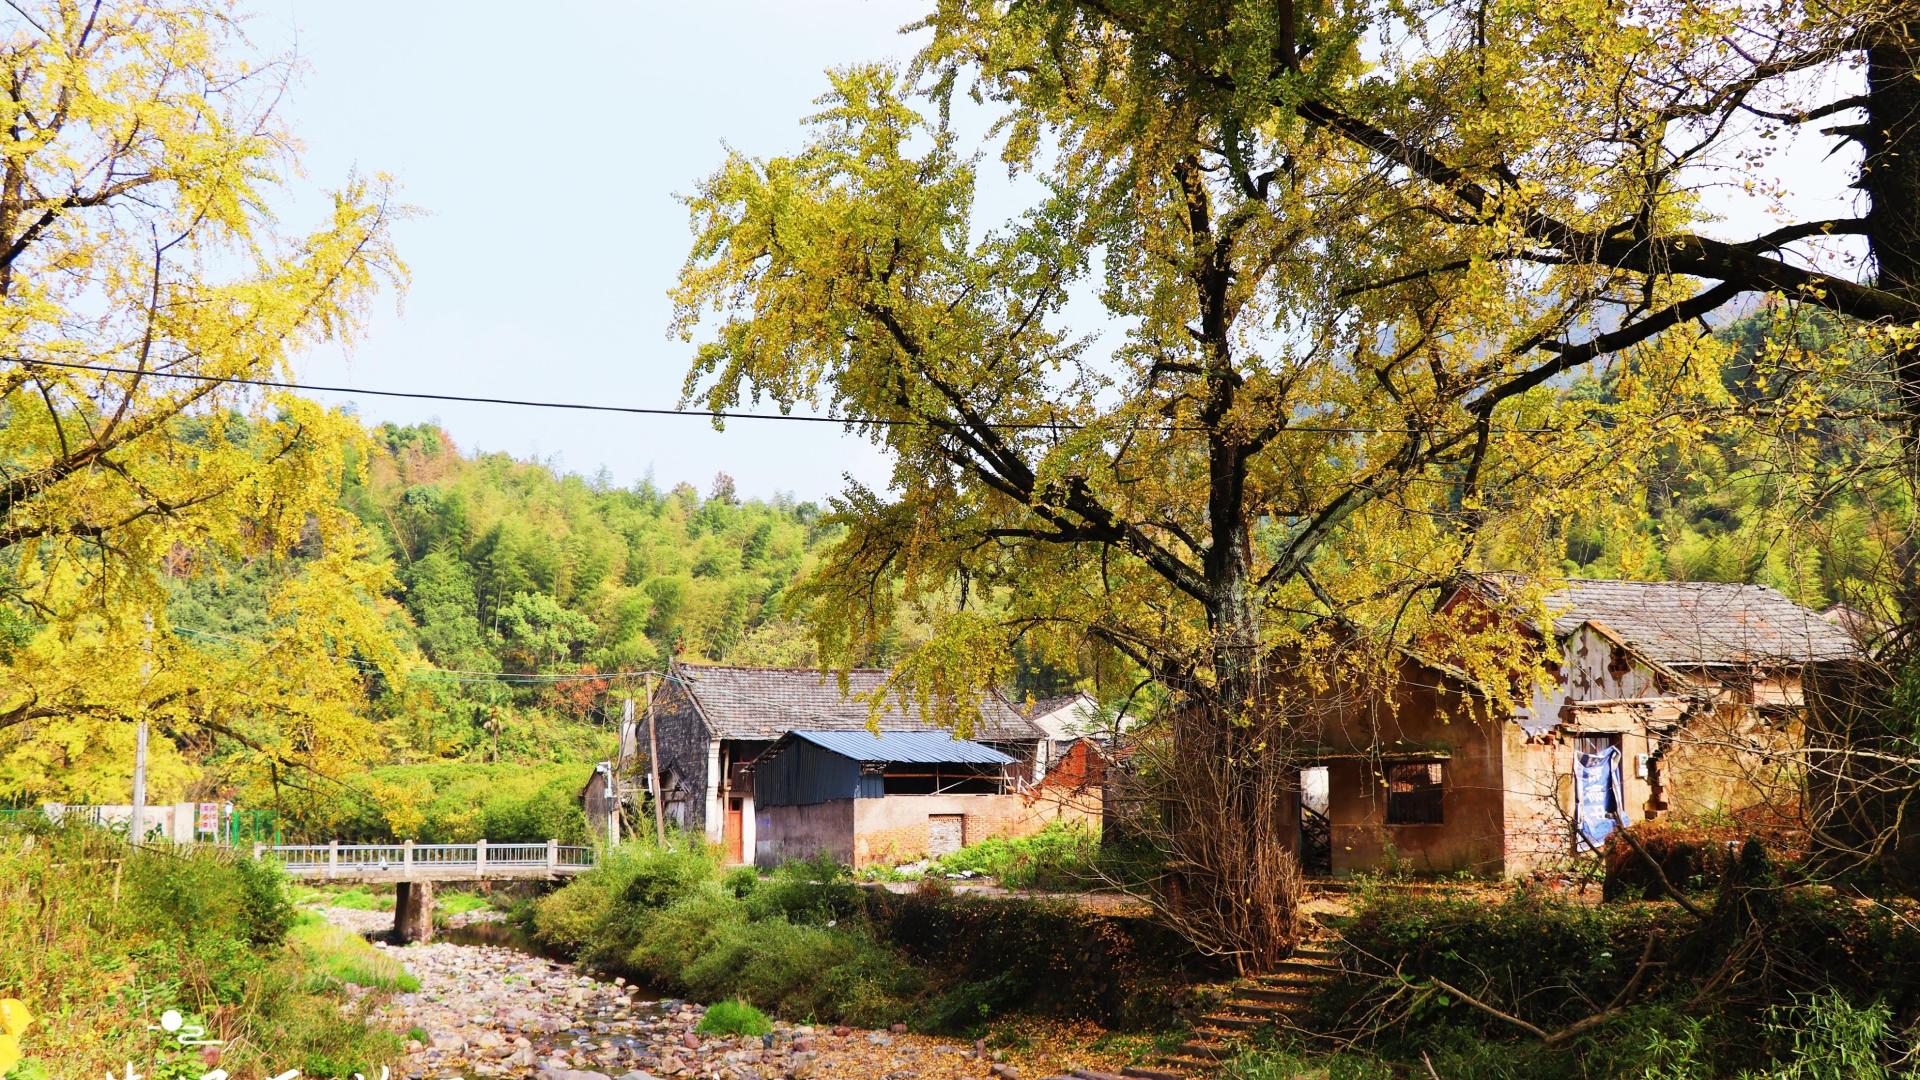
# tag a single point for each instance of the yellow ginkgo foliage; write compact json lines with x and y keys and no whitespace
{"x":14,"y":1019}
{"x":143,"y":269}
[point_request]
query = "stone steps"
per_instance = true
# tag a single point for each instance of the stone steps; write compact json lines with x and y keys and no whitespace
{"x":1269,"y":999}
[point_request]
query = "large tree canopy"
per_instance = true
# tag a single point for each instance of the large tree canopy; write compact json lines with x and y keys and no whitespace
{"x":1251,"y":450}
{"x":138,"y":245}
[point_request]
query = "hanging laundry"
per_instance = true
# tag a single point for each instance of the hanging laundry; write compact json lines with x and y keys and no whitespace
{"x":1599,"y":794}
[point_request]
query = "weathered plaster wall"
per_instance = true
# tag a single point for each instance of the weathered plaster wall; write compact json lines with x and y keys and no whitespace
{"x":1731,"y":759}
{"x":1540,"y":807}
{"x":687,"y":751}
{"x":802,"y":832}
{"x":894,"y":828}
{"x":1469,"y":836}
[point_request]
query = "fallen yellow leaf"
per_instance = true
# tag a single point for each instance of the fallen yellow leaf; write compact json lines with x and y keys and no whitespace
{"x":14,"y":1016}
{"x":9,"y":1053}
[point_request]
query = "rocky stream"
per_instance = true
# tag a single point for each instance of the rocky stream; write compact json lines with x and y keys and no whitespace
{"x":490,"y":1010}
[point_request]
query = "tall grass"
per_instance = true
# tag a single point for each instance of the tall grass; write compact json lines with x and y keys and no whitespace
{"x":806,"y":941}
{"x":336,"y":956}
{"x":99,"y":939}
{"x":785,"y":943}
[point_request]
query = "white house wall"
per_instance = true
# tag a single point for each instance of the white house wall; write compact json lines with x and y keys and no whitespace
{"x":1586,"y":674}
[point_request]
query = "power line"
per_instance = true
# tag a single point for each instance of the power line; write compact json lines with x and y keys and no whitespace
{"x":642,"y":410}
{"x":451,"y":674}
{"x":527,"y":403}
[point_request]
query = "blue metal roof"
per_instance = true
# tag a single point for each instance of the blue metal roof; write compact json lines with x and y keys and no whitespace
{"x":927,"y":747}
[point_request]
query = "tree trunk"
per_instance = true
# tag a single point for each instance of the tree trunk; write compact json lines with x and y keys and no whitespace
{"x":1234,"y":830}
{"x":1858,"y":782}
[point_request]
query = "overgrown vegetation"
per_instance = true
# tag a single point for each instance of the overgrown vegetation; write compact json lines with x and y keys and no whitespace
{"x":1064,"y":855}
{"x":1775,"y":981}
{"x":101,"y":939}
{"x":334,"y":956}
{"x":807,"y":942}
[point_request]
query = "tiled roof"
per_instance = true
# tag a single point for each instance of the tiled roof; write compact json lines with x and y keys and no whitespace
{"x":920,"y":747}
{"x":1046,"y":705}
{"x":766,"y":703}
{"x":1701,"y":622}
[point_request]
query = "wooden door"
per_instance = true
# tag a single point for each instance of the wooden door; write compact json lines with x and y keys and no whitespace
{"x":736,"y":830}
{"x":946,"y":833}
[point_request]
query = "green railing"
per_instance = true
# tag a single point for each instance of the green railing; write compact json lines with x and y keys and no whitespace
{"x":241,"y":829}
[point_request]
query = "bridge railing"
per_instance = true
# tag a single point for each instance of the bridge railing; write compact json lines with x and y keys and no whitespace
{"x":479,"y":858}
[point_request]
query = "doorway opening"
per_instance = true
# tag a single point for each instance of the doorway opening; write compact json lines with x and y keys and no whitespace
{"x":1316,"y":826}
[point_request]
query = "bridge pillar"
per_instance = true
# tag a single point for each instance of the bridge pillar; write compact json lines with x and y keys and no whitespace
{"x":413,"y":912}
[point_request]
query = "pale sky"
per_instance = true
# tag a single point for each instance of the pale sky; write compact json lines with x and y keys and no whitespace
{"x":544,"y":145}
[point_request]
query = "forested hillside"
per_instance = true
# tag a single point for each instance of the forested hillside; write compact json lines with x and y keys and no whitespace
{"x":518,"y":596}
{"x":1798,"y":505}
{"x":505,"y":566}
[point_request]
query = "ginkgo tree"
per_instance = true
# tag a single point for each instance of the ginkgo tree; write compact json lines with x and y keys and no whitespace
{"x":143,"y":273}
{"x":1621,"y":167}
{"x":1239,"y":480}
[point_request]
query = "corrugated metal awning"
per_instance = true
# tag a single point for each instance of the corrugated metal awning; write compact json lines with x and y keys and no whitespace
{"x":919,"y":747}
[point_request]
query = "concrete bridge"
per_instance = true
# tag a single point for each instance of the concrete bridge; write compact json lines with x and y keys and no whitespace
{"x":413,"y":868}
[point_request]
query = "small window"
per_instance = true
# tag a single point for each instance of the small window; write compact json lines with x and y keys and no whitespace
{"x":1414,"y":793}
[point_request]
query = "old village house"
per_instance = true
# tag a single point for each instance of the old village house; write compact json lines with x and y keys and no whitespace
{"x":778,"y":763}
{"x":1668,"y":698}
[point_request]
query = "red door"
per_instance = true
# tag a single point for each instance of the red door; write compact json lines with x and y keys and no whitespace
{"x":735,"y":830}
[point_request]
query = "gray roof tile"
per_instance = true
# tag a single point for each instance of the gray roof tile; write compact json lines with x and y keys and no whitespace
{"x":766,"y":703}
{"x":1687,"y":623}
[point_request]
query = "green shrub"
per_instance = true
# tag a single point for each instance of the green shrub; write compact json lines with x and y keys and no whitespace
{"x":1037,"y":956}
{"x":807,"y":890}
{"x":734,"y":1018}
{"x":806,"y":941}
{"x":741,"y":881}
{"x":598,"y":913}
{"x":110,"y":937}
{"x":1831,"y":1038}
{"x":264,"y":904}
{"x":1536,"y":955}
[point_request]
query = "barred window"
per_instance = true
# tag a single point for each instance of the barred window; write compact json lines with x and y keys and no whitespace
{"x":1414,"y":791}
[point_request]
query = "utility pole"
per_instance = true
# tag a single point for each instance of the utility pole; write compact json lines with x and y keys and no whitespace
{"x":653,"y":766}
{"x":136,"y":827}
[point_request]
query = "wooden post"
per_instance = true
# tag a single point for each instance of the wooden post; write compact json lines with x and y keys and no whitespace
{"x":653,"y":766}
{"x":406,"y":857}
{"x":480,"y":858}
{"x":258,"y":849}
{"x":553,"y":854}
{"x":333,"y":857}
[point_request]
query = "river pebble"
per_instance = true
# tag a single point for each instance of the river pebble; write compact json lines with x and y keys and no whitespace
{"x":487,"y":1011}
